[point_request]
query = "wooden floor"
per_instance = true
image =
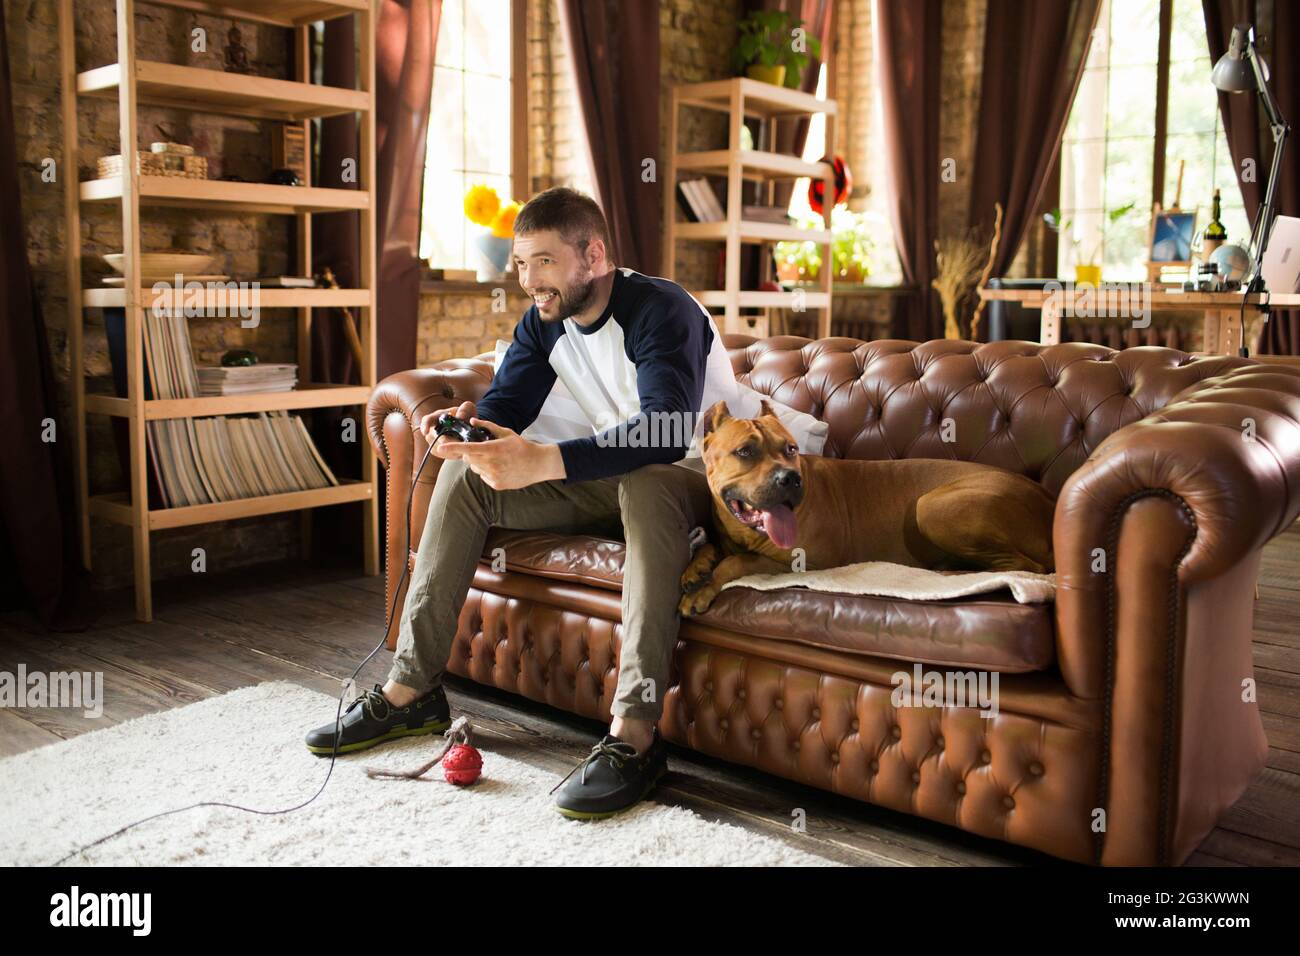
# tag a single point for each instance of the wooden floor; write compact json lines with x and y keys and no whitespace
{"x":215,"y":633}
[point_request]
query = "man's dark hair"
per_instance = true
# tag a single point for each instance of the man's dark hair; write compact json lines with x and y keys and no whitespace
{"x":574,"y":215}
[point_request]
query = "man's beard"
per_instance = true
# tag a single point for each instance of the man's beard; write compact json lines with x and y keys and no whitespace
{"x":570,"y":301}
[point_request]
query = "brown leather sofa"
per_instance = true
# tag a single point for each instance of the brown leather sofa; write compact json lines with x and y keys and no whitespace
{"x":1122,"y":734}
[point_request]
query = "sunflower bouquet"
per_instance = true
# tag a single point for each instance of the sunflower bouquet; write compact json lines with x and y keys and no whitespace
{"x":484,"y":207}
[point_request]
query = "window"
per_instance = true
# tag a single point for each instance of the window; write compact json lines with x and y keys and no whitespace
{"x":469,"y":125}
{"x":871,"y":223}
{"x":1107,"y":155}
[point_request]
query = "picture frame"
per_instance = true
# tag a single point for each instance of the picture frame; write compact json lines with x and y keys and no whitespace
{"x":1172,"y":234}
{"x":1170,"y":241}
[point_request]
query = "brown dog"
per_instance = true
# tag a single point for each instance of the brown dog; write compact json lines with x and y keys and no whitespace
{"x":933,"y":513}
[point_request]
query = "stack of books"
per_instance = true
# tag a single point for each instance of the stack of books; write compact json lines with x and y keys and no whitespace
{"x":171,"y":372}
{"x":243,"y":379}
{"x":199,"y":461}
{"x":168,"y":356}
{"x":699,"y":201}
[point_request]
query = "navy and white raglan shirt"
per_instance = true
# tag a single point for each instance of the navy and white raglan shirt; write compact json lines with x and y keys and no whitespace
{"x":654,"y":349}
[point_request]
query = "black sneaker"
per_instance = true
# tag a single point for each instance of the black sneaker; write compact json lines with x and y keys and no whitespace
{"x":614,"y":777}
{"x":371,"y":720}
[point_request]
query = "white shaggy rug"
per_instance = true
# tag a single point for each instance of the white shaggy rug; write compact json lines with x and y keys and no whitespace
{"x":246,"y":747}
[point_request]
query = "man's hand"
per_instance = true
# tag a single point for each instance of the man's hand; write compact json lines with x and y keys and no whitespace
{"x":507,"y":461}
{"x":429,"y":423}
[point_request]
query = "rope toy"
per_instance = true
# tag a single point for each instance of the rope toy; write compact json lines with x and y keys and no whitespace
{"x":461,"y":762}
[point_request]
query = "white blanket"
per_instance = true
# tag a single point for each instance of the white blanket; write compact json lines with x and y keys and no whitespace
{"x":882,"y":579}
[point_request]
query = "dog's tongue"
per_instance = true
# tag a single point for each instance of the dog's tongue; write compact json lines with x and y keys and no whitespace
{"x":780,"y":526}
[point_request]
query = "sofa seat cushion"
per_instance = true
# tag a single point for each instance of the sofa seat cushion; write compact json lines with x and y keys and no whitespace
{"x":991,"y":631}
{"x":987,"y":632}
{"x":577,"y":558}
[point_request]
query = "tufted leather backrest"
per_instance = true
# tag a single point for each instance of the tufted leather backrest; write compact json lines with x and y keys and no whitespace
{"x":1035,"y":409}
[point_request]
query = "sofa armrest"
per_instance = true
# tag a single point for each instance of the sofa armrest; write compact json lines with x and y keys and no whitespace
{"x":392,"y":418}
{"x":1195,"y":453}
{"x":418,"y":391}
{"x":1157,"y":539}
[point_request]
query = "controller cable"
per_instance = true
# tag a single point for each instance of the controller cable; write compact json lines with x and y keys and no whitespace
{"x":338,"y":716}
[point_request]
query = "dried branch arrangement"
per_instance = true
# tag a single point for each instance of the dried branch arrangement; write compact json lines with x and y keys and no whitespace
{"x":988,"y":269}
{"x":961,"y":267}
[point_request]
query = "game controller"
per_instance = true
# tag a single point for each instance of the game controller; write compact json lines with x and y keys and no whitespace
{"x":460,"y":430}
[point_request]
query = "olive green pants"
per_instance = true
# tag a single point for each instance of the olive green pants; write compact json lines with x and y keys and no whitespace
{"x":652,"y":508}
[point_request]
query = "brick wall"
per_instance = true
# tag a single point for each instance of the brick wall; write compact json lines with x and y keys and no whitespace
{"x":853,"y":88}
{"x":556,"y":141}
{"x":466,"y":321}
{"x":959,"y":93}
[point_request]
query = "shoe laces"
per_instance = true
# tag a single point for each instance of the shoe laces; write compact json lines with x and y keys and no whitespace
{"x":371,"y":702}
{"x":616,"y":752}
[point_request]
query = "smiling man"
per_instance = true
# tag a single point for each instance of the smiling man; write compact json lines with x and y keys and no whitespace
{"x":628,"y":347}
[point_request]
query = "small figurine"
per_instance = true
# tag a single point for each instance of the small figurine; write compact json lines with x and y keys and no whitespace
{"x":236,"y":55}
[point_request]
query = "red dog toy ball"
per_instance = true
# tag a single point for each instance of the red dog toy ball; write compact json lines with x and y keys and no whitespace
{"x":843,"y":186}
{"x":462,"y":765}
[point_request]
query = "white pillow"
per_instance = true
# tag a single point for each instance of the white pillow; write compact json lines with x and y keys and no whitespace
{"x":561,"y":417}
{"x":809,"y":433}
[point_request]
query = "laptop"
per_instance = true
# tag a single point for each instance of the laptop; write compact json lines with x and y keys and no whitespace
{"x":1281,"y":265}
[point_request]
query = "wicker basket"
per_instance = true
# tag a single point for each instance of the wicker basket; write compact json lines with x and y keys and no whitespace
{"x":156,"y":164}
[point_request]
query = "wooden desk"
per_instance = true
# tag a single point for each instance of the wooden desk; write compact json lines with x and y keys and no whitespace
{"x":1124,"y":302}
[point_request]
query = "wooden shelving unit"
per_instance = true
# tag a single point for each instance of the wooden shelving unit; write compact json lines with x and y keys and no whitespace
{"x":742,"y":97}
{"x":132,"y":81}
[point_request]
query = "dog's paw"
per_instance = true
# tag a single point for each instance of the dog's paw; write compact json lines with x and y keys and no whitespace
{"x":695,"y":578}
{"x":697,"y":601}
{"x":700,"y":570}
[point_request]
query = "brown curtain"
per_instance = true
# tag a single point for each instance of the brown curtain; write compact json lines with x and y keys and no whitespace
{"x":1034,"y":55}
{"x":406,"y":36}
{"x":40,"y":567}
{"x":615,"y":49}
{"x":1248,"y":139}
{"x":908,"y":64}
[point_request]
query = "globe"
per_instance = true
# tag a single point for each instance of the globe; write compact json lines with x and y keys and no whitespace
{"x":1232,"y":261}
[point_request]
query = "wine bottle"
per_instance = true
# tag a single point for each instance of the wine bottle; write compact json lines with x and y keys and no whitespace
{"x":1215,"y":234}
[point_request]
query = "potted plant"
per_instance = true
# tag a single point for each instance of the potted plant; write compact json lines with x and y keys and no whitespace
{"x":1087,"y":269}
{"x":766,"y":48}
{"x":798,"y":261}
{"x":851,"y":245}
{"x":483,"y":207}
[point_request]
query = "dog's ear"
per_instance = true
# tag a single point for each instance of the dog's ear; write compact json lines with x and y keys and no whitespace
{"x":715,"y":415}
{"x":765,"y":408}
